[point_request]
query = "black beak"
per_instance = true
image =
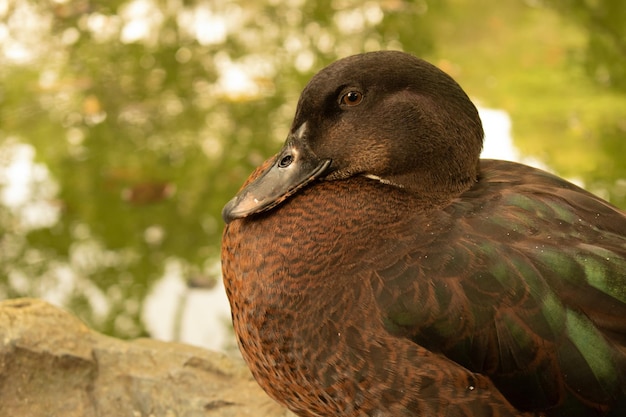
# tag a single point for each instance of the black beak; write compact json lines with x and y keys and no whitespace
{"x":294,"y":167}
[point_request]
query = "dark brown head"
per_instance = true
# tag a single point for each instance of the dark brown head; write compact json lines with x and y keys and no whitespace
{"x":386,"y":115}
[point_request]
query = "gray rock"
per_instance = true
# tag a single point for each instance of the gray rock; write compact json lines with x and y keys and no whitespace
{"x":51,"y":365}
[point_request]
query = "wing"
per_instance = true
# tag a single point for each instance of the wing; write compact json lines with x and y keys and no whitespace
{"x":522,"y":278}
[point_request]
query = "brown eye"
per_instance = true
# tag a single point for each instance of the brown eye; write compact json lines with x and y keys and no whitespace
{"x":352,"y":98}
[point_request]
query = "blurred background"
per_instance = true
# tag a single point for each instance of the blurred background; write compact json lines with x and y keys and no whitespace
{"x":125,"y":125}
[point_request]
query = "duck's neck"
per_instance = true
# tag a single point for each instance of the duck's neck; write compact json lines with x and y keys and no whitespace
{"x":435,"y":187}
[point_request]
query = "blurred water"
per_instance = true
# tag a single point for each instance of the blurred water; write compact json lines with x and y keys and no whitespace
{"x":200,"y":317}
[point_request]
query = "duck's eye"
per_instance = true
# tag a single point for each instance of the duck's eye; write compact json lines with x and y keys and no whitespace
{"x":352,"y":98}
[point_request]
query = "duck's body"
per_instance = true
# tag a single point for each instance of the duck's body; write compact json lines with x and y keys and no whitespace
{"x":432,"y":288}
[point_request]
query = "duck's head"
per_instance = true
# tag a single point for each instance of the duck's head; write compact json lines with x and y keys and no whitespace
{"x":385,"y":115}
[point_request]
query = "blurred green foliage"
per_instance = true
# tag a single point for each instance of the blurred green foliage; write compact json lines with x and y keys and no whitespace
{"x":149,"y":114}
{"x":604,"y":23}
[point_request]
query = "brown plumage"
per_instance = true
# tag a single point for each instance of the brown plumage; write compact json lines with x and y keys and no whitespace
{"x":376,"y":268}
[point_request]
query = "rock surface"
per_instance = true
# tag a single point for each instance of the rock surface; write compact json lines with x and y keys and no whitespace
{"x":51,"y":365}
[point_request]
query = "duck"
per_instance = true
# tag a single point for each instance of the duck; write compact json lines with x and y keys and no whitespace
{"x":376,"y":266}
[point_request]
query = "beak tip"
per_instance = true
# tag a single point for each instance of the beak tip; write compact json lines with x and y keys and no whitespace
{"x":242,"y":205}
{"x":227,"y":212}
